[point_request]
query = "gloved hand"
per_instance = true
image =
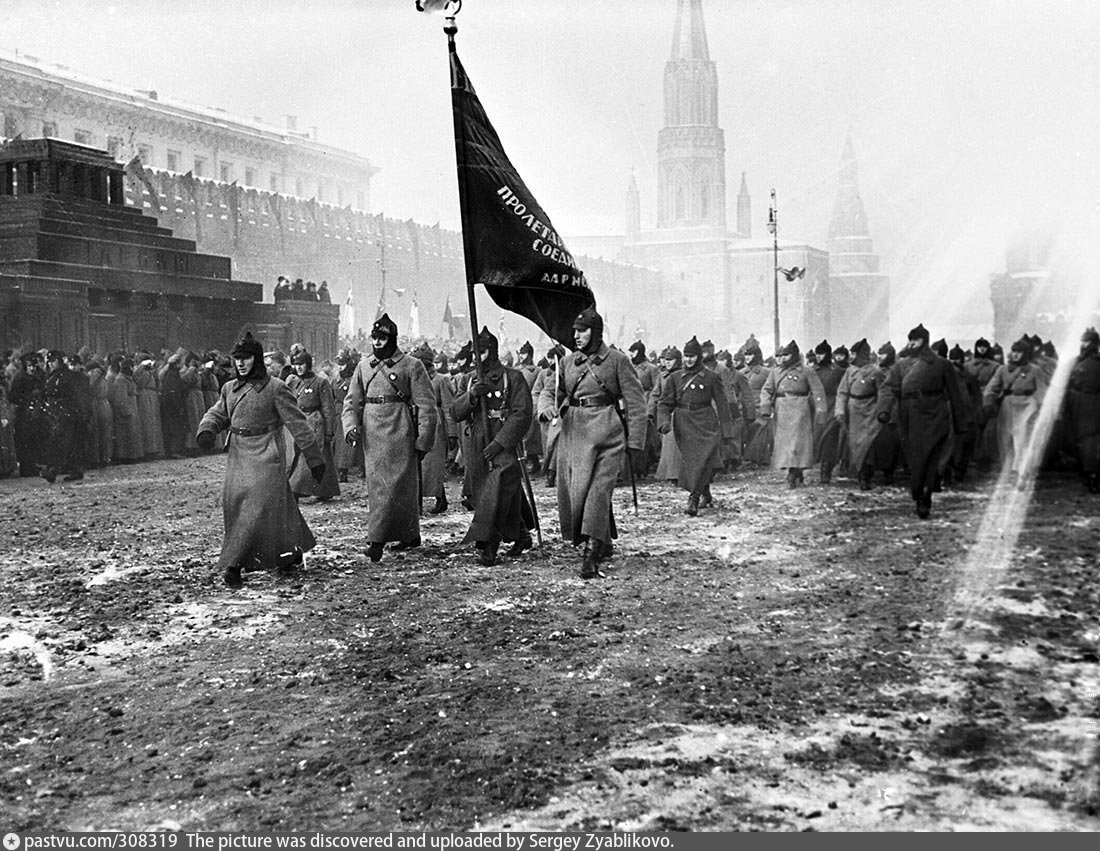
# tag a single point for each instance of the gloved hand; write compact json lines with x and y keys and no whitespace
{"x":764,"y":417}
{"x":205,"y":440}
{"x":492,"y":451}
{"x":883,"y":417}
{"x":353,"y":437}
{"x":452,"y":444}
{"x":664,"y":429}
{"x":318,"y":472}
{"x":478,"y":389}
{"x":637,"y":461}
{"x":545,"y":417}
{"x":420,"y":453}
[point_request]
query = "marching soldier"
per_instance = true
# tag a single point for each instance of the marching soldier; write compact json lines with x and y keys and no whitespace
{"x":314,"y":396}
{"x":501,"y":513}
{"x":795,"y":395}
{"x":702,"y":424}
{"x":827,"y":436}
{"x":591,"y":383}
{"x":1083,"y":409}
{"x":434,"y":465}
{"x":1013,"y":396}
{"x":856,"y":400}
{"x":390,"y":408}
{"x":532,"y":441}
{"x":263,"y":526}
{"x":929,"y":405}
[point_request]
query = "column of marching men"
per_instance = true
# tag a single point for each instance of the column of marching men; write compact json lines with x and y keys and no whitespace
{"x":588,"y":421}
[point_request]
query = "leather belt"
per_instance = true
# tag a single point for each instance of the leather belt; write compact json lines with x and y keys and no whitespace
{"x":694,"y":406}
{"x":381,"y":400}
{"x":595,"y":402}
{"x":252,"y":432}
{"x":789,"y":393}
{"x":310,"y":410}
{"x":862,"y":395}
{"x":922,"y":394}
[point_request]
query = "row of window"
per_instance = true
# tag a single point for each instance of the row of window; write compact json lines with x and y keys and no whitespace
{"x":199,"y":165}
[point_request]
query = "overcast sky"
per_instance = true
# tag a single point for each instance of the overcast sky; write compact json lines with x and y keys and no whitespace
{"x":970,"y":118}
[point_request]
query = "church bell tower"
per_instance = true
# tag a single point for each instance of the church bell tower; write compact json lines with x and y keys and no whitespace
{"x":691,"y":147}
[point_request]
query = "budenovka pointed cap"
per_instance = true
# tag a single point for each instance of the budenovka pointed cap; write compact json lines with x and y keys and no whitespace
{"x":823,"y":348}
{"x":790,"y":349}
{"x":956,"y":353}
{"x":860,"y":348}
{"x":248,"y":346}
{"x":693,"y":347}
{"x":920,"y":333}
{"x":384,"y":325}
{"x":940,"y":347}
{"x":588,"y":318}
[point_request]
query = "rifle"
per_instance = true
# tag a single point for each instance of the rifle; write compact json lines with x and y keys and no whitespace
{"x":530,"y":493}
{"x":629,"y":460}
{"x":419,"y":462}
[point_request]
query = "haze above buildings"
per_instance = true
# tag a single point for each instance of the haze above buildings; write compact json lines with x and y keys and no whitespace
{"x":969,"y":119}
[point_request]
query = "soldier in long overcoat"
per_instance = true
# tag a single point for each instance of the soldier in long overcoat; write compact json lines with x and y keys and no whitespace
{"x":347,"y":457}
{"x":668,"y":462}
{"x":963,"y":449}
{"x":390,"y":408}
{"x":647,"y":375}
{"x":793,"y":393}
{"x":929,"y":404}
{"x":1083,"y":409}
{"x":1014,"y":396}
{"x":592,"y":382}
{"x":313,"y":394}
{"x":981,"y":367}
{"x":102,"y":422}
{"x":434,"y":466}
{"x":701,"y":425}
{"x":827,"y":437}
{"x":532,"y":441}
{"x":760,"y":432}
{"x":67,"y":409}
{"x":263,"y":527}
{"x":122,"y":394}
{"x":856,"y":400}
{"x":551,"y":431}
{"x":148,"y":400}
{"x":25,"y":396}
{"x":501,"y":513}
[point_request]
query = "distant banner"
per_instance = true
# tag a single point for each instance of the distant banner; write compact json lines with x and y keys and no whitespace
{"x":511,"y":245}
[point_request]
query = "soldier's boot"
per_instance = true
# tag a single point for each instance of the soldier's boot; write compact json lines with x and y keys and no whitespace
{"x":551,"y":477}
{"x":693,"y":505}
{"x":826,"y":474}
{"x":75,"y":476}
{"x":440,"y":505}
{"x":401,"y":546}
{"x":49,"y":474}
{"x":589,"y":570}
{"x":523,"y":542}
{"x":601,"y":550}
{"x":865,"y":477}
{"x":1093,"y":483}
{"x":924,"y":504}
{"x":488,"y":554}
{"x":706,"y":499}
{"x":342,"y":476}
{"x":535,"y":467}
{"x":374,"y":551}
{"x":290,"y":563}
{"x":232,"y":576}
{"x":792,"y":478}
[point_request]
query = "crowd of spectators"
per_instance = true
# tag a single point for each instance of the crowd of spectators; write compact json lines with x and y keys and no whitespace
{"x":301,"y":290}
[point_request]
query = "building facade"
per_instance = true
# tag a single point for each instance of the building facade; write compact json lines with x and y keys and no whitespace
{"x":38,"y":100}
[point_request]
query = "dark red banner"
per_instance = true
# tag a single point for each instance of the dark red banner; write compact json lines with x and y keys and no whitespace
{"x":511,"y":246}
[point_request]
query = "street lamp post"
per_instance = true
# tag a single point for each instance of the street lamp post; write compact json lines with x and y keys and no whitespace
{"x":773,"y":229}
